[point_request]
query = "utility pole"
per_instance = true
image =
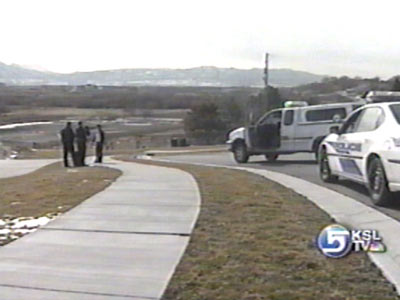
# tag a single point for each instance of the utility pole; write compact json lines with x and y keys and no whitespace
{"x":266,"y":75}
{"x":266,"y":70}
{"x":258,"y":103}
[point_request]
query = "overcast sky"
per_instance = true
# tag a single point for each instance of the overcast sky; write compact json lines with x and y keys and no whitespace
{"x":341,"y":37}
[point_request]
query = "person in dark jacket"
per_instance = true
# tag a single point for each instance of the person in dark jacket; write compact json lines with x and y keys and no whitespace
{"x":67,"y":140}
{"x":80,"y":136}
{"x":99,"y":139}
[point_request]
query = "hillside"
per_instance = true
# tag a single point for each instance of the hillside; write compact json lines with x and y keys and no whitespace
{"x":338,"y":89}
{"x":201,"y":76}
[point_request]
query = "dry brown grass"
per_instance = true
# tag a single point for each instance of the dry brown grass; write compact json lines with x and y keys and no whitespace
{"x":254,"y":239}
{"x":52,"y":189}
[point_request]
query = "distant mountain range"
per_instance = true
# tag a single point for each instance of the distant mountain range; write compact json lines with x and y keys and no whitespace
{"x":201,"y":76}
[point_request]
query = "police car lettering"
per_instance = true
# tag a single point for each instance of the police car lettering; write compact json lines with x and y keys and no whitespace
{"x":346,"y":148}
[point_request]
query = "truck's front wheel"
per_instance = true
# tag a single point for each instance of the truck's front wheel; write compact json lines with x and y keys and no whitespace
{"x":271,"y":157}
{"x":240,"y":153}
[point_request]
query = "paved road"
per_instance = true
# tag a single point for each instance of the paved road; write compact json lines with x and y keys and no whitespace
{"x":300,"y":165}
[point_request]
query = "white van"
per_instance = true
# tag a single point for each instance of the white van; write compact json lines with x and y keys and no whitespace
{"x":288,"y":130}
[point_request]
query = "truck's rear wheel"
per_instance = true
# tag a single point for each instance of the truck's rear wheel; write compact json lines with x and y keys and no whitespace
{"x":240,"y":153}
{"x":316,"y":154}
{"x":272,"y":157}
{"x":315,"y":147}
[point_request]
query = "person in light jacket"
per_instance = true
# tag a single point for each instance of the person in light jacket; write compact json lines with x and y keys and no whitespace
{"x":99,"y":140}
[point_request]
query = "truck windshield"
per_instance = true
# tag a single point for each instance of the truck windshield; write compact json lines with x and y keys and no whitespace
{"x":378,"y":99}
{"x":395,"y":108}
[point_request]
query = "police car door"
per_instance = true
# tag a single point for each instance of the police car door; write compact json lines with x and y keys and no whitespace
{"x":355,"y":140}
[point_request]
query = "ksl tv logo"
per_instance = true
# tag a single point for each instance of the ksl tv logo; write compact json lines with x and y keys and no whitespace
{"x":337,"y":241}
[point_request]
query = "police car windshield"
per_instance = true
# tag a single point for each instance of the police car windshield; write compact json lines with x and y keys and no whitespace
{"x":395,"y":108}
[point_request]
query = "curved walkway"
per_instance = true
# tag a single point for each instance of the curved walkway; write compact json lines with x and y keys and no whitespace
{"x":18,"y":167}
{"x":122,"y":243}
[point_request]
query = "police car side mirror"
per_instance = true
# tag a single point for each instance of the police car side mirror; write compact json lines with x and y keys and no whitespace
{"x":334,"y":129}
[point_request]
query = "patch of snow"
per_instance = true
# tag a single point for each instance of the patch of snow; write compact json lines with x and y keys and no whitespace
{"x":16,"y":125}
{"x":12,"y":229}
{"x":30,"y":224}
{"x":138,"y":124}
{"x":5,"y":231}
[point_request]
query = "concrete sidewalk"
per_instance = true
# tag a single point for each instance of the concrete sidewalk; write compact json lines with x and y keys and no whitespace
{"x":123,"y":243}
{"x":18,"y":167}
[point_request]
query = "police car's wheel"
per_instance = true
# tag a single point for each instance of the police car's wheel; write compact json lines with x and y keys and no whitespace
{"x":324,"y":169}
{"x":240,"y":153}
{"x":271,"y":157}
{"x":377,"y":183}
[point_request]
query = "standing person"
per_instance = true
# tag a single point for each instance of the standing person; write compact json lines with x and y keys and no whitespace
{"x":81,"y":143}
{"x":67,"y":140}
{"x":99,"y":139}
{"x":89,"y":136}
{"x":88,"y":133}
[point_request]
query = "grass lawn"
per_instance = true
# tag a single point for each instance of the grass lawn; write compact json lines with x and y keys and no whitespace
{"x":254,"y":239}
{"x":51,"y":189}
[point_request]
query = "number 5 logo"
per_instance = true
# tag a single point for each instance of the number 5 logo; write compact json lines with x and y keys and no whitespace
{"x":334,"y":241}
{"x":336,"y":236}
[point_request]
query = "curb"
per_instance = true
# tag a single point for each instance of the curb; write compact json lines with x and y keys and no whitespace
{"x":167,"y":152}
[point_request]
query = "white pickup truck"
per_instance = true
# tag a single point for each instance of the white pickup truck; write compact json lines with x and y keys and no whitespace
{"x":288,"y":130}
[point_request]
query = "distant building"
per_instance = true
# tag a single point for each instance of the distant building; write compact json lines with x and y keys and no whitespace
{"x":86,"y":87}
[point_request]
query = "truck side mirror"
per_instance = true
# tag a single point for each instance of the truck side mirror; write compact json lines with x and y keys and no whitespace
{"x":334,"y":129}
{"x":251,"y":119}
{"x":337,"y":119}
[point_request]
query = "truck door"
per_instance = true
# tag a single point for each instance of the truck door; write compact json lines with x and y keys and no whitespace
{"x":288,"y":130}
{"x":266,"y":134}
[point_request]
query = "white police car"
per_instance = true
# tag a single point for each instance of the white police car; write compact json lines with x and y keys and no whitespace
{"x":366,"y":149}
